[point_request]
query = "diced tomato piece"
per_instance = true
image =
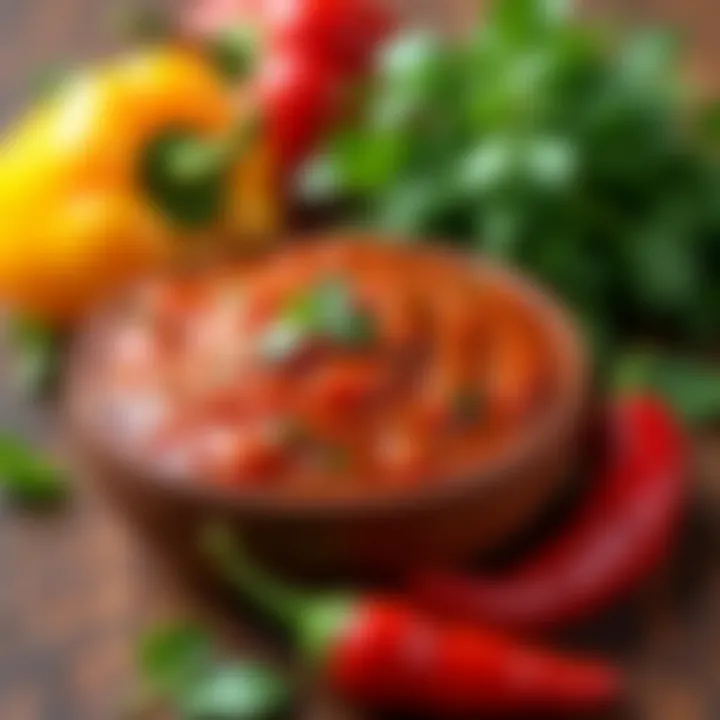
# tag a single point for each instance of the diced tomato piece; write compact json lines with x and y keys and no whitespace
{"x":514,"y":375}
{"x":401,"y":457}
{"x":240,"y":456}
{"x":345,"y":386}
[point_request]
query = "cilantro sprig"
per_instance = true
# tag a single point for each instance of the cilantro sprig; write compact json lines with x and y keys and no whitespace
{"x":558,"y":146}
{"x":327,"y":312}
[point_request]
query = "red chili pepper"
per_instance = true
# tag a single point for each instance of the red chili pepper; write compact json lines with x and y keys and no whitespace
{"x":386,"y":655}
{"x":620,"y":534}
{"x":313,"y":52}
{"x":301,"y":99}
{"x":341,"y":33}
{"x":317,"y":50}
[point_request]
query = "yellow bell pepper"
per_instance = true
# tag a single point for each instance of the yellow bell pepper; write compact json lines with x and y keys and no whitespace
{"x":76,"y":215}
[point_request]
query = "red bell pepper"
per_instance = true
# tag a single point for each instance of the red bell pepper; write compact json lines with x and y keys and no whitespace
{"x":384,"y":654}
{"x":343,"y":34}
{"x":622,"y":531}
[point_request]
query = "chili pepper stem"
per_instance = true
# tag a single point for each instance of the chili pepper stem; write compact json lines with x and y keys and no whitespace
{"x":313,"y":622}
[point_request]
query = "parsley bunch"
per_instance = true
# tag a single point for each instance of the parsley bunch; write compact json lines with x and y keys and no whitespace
{"x":568,"y":150}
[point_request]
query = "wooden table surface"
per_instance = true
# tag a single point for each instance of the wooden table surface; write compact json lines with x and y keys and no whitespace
{"x":76,"y":587}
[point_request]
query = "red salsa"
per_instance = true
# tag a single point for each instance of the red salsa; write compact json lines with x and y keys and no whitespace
{"x":329,"y":370}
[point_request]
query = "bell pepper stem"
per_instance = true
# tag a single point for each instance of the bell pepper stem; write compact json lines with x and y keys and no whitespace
{"x":199,"y":159}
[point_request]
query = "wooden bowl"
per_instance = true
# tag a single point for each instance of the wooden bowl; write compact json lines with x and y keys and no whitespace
{"x":446,"y":521}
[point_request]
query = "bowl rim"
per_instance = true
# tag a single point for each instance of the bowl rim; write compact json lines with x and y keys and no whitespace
{"x":565,"y":339}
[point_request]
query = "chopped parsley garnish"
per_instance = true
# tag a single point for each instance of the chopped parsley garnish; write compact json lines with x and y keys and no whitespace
{"x":327,"y":312}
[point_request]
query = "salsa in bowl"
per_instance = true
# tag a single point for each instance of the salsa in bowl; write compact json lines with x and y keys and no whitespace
{"x":338,"y":379}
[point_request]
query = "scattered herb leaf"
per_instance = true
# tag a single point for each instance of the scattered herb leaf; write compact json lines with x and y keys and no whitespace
{"x":27,"y":478}
{"x":172,"y":655}
{"x":336,"y":315}
{"x":236,"y":692}
{"x":180,"y":671}
{"x":283,"y":340}
{"x":233,"y":50}
{"x":690,"y":386}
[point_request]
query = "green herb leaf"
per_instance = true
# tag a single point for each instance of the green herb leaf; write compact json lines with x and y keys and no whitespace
{"x":551,"y":163}
{"x":27,"y":478}
{"x":647,"y":60}
{"x":283,"y":340}
{"x":326,"y":312}
{"x":178,"y":669}
{"x":708,"y":124}
{"x":237,"y":692}
{"x":490,"y":166}
{"x":528,"y":18}
{"x":690,"y":386}
{"x":170,"y":656}
{"x":565,"y":150}
{"x":233,"y":50}
{"x":337,"y":316}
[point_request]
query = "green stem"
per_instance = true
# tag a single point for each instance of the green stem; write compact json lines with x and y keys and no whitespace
{"x":288,"y":606}
{"x":315,"y":623}
{"x":197,"y":160}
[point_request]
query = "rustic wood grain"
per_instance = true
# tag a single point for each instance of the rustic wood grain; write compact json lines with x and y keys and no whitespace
{"x":75,"y":588}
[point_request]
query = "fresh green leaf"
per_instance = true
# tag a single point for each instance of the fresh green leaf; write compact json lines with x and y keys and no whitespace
{"x":233,"y":50}
{"x":173,"y":655}
{"x":551,"y":162}
{"x":27,"y":478}
{"x":648,"y":59}
{"x":408,"y":207}
{"x":283,"y":340}
{"x":319,"y":181}
{"x":528,"y":18}
{"x":490,"y":166}
{"x":179,"y":670}
{"x":338,"y":316}
{"x":501,"y":230}
{"x":708,"y":124}
{"x":556,"y":145}
{"x":326,"y":312}
{"x":236,"y":692}
{"x":690,"y":386}
{"x":411,"y":53}
{"x":664,"y":265}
